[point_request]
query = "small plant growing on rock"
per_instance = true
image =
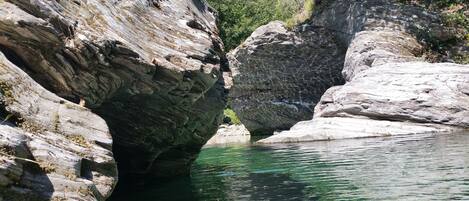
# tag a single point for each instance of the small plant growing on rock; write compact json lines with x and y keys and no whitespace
{"x":31,"y":127}
{"x":47,"y":167}
{"x":78,"y":139}
{"x":70,"y":175}
{"x":229,"y":113}
{"x":301,"y":17}
{"x":59,"y":199}
{"x":6,"y":92}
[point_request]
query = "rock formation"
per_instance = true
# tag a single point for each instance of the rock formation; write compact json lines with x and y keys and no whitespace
{"x":151,"y":69}
{"x":230,"y":134}
{"x":390,"y":99}
{"x":279,"y":75}
{"x":390,"y":89}
{"x":50,"y":148}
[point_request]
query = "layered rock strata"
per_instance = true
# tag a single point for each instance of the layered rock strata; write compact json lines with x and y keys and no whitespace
{"x":390,"y":99}
{"x":151,"y":69}
{"x":390,"y":89}
{"x":279,"y":75}
{"x":50,"y":148}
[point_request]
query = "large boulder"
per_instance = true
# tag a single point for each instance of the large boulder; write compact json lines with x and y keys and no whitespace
{"x":152,"y":69}
{"x":391,"y":88}
{"x":390,"y":99}
{"x":279,"y":75}
{"x":50,"y":148}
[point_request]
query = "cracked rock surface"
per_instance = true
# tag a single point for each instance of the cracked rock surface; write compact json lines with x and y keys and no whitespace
{"x":392,"y":88}
{"x":151,"y":69}
{"x":50,"y":148}
{"x":279,"y":75}
{"x":390,"y":99}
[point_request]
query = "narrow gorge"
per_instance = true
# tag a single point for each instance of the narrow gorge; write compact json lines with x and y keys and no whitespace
{"x":151,"y":69}
{"x":101,"y":99}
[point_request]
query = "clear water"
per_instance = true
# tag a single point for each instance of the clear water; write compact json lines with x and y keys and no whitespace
{"x":419,"y":167}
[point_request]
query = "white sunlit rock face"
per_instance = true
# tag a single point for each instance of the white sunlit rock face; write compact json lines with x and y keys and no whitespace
{"x":392,"y":99}
{"x":390,"y":89}
{"x":230,"y":134}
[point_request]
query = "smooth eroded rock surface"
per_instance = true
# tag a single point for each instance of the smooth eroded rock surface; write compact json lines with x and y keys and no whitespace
{"x":392,"y":88}
{"x":337,"y":128}
{"x":50,"y":148}
{"x":279,"y":75}
{"x":230,"y":134}
{"x":392,"y":99}
{"x":151,"y":69}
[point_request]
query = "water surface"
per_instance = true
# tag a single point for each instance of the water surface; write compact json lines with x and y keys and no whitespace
{"x":418,"y":167}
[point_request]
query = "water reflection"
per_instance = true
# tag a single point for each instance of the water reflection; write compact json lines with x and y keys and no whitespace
{"x":419,"y":167}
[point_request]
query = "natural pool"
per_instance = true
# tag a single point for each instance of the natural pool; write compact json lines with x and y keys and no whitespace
{"x":418,"y":167}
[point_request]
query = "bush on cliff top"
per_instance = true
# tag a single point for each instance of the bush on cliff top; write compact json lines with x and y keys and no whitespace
{"x":239,"y":18}
{"x":455,"y":14}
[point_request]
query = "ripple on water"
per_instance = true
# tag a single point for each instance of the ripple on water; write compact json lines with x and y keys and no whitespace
{"x":417,"y":167}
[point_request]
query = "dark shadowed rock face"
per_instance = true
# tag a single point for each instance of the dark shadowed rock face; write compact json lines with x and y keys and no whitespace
{"x":279,"y":75}
{"x":151,"y":69}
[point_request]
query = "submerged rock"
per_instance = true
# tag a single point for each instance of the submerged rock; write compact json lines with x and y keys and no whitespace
{"x":50,"y":148}
{"x":151,"y":69}
{"x":279,"y":75}
{"x":391,"y":90}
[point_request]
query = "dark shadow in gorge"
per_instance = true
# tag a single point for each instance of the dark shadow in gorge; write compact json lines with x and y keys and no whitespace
{"x":13,"y":57}
{"x":256,"y":186}
{"x":275,"y":186}
{"x":222,"y":174}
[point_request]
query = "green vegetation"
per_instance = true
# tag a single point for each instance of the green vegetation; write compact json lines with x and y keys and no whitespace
{"x":239,"y":18}
{"x":232,"y":116}
{"x":78,"y":139}
{"x":302,"y":16}
{"x":438,"y":4}
{"x":455,"y":15}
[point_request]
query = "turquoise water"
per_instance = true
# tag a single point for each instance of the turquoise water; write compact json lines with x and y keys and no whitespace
{"x":419,"y":167}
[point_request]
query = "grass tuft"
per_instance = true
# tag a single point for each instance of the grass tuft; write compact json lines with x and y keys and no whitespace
{"x":302,"y":16}
{"x":232,"y":116}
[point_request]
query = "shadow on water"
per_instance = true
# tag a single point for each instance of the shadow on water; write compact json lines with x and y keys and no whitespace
{"x":419,"y":167}
{"x":232,"y":173}
{"x":274,"y":186}
{"x":254,"y":186}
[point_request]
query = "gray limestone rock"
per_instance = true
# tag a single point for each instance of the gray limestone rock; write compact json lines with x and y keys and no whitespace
{"x":391,"y":87}
{"x":391,"y":99}
{"x":279,"y":75}
{"x":411,"y":91}
{"x":151,"y":69}
{"x":50,"y":148}
{"x":230,"y":134}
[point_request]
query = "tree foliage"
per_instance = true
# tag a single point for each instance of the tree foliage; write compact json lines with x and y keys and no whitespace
{"x":455,"y":14}
{"x":239,"y":18}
